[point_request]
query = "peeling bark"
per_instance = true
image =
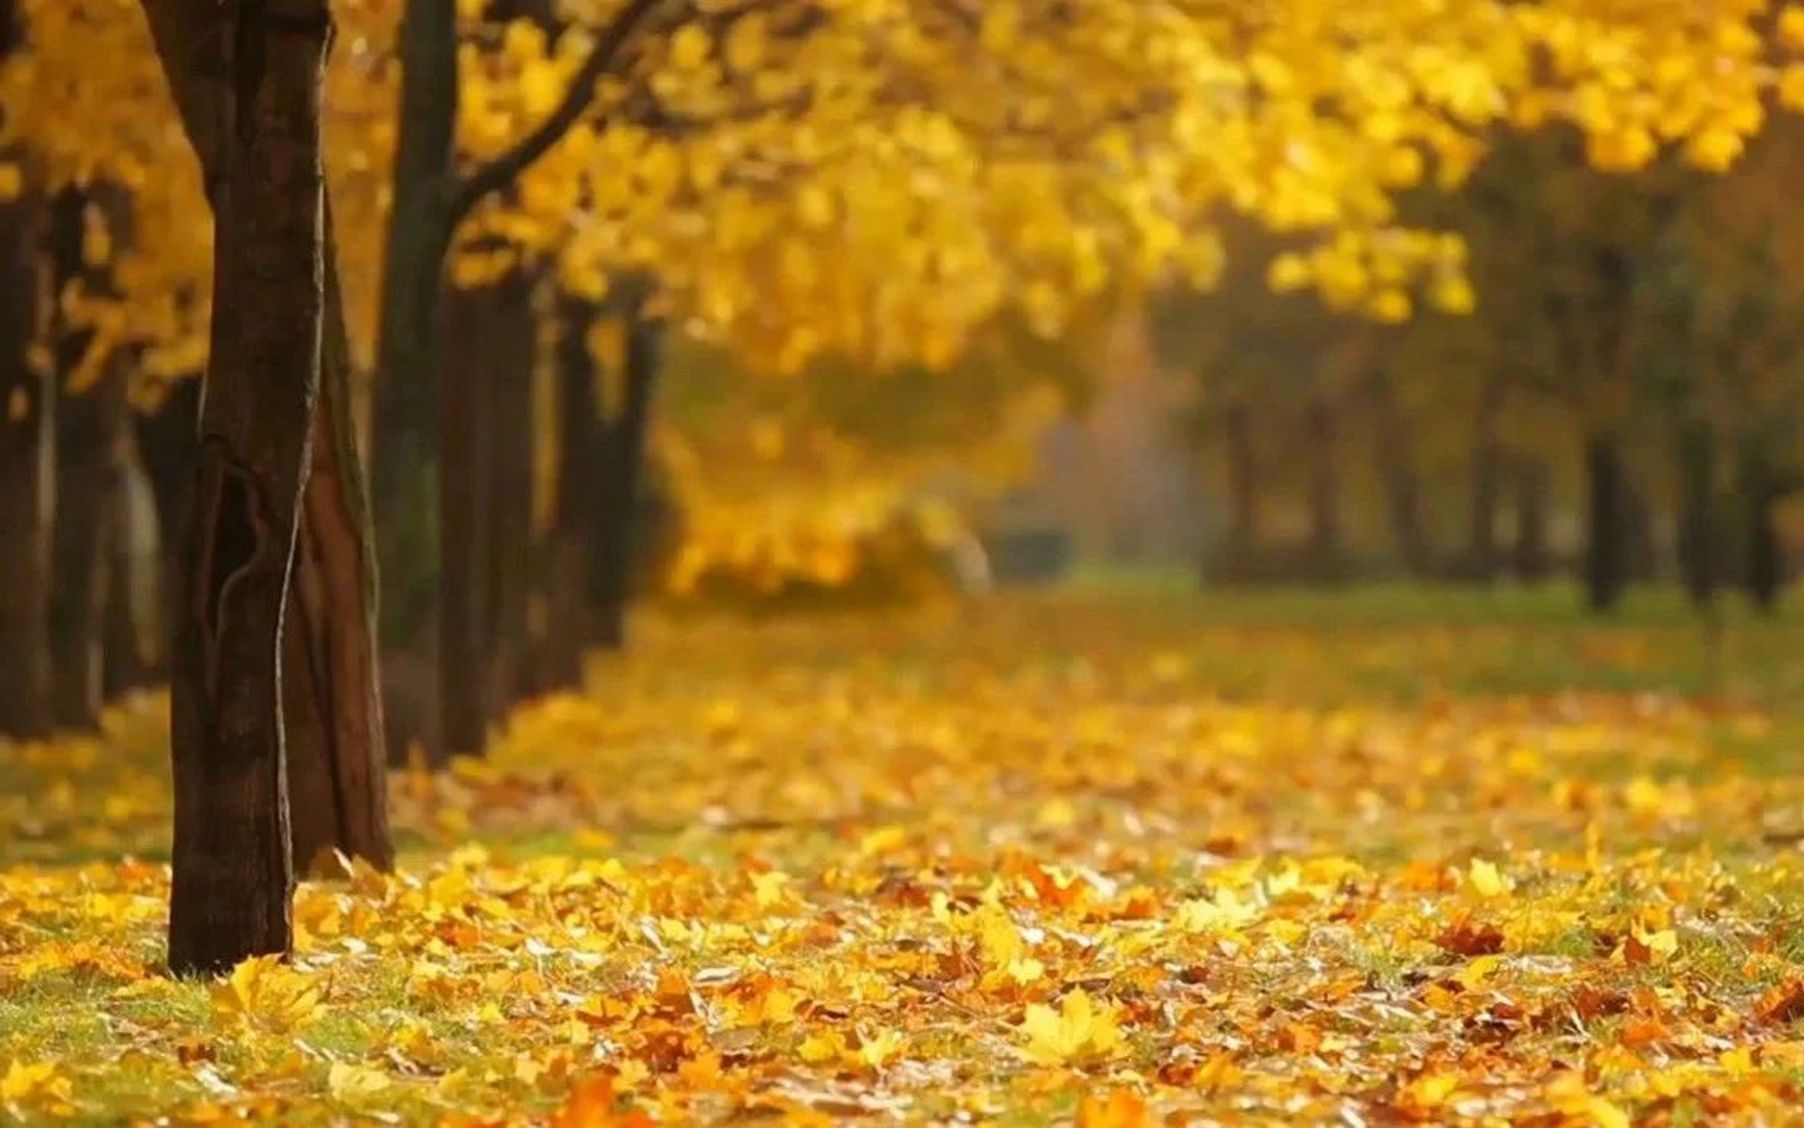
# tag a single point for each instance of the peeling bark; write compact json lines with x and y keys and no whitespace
{"x":332,"y":700}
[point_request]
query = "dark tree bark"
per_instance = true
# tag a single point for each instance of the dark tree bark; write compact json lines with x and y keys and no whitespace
{"x":1394,"y":454}
{"x":1530,"y":557}
{"x":132,"y":651}
{"x":1607,"y":552}
{"x":1244,"y":526}
{"x":1700,"y":543}
{"x":169,"y":444}
{"x":1324,"y":493}
{"x":1763,"y":568}
{"x":429,"y":200}
{"x":91,"y":423}
{"x":1487,"y":484}
{"x":27,"y":477}
{"x":463,"y":614}
{"x":405,"y":462}
{"x":329,"y":623}
{"x":626,"y":434}
{"x":338,"y":780}
{"x":486,"y":511}
{"x":568,"y":576}
{"x":507,"y":382}
{"x":233,"y":871}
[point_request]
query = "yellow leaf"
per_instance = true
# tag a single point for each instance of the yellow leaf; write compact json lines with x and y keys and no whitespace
{"x":690,"y":47}
{"x":349,"y":1082}
{"x":36,"y":1081}
{"x":1485,"y":879}
{"x":1715,"y":150}
{"x":1791,"y":87}
{"x":12,"y":182}
{"x":877,"y":1052}
{"x":266,"y":993}
{"x":1791,"y":27}
{"x":747,"y":40}
{"x":1077,"y":1031}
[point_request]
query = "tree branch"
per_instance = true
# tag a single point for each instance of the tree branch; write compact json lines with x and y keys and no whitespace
{"x":504,"y":169}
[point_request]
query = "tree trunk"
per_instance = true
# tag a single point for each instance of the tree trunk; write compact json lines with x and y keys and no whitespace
{"x":233,"y":871}
{"x":27,"y":477}
{"x":506,"y":388}
{"x":463,"y":614}
{"x":338,"y":779}
{"x":132,"y":649}
{"x":1487,"y":484}
{"x":1531,"y":554}
{"x":405,"y":461}
{"x":486,"y":509}
{"x":91,"y":422}
{"x":1244,"y":531}
{"x":1700,"y":564}
{"x":1764,"y":569}
{"x":1324,"y":494}
{"x":616,"y":520}
{"x":169,"y":444}
{"x":574,"y":536}
{"x":1402,"y":484}
{"x":1607,"y":555}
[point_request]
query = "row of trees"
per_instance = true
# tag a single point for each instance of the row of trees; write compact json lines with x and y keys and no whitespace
{"x":1634,"y":361}
{"x":786,"y":180}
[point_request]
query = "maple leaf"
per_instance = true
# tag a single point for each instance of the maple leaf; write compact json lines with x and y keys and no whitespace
{"x":1078,"y":1030}
{"x":265,"y":992}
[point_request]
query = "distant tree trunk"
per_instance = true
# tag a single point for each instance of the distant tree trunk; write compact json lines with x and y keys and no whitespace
{"x":169,"y":444}
{"x":338,"y":781}
{"x":233,"y":871}
{"x":1324,"y":493}
{"x":405,"y":463}
{"x":1394,"y":454}
{"x":1764,"y":570}
{"x":575,"y":532}
{"x":91,"y":422}
{"x":132,"y":649}
{"x":507,"y":382}
{"x":1487,"y":483}
{"x":1531,"y":555}
{"x":1700,"y":564}
{"x":486,"y":509}
{"x":617,"y":517}
{"x":27,"y":478}
{"x":1607,"y":552}
{"x":1244,"y":526}
{"x":464,"y":535}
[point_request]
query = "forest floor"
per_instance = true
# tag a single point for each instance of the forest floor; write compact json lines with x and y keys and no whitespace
{"x":1354,"y":858}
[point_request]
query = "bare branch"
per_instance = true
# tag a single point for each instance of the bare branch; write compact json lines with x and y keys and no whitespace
{"x":504,"y":169}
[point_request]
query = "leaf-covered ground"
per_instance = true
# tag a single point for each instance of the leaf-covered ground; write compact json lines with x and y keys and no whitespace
{"x":1351,"y":859}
